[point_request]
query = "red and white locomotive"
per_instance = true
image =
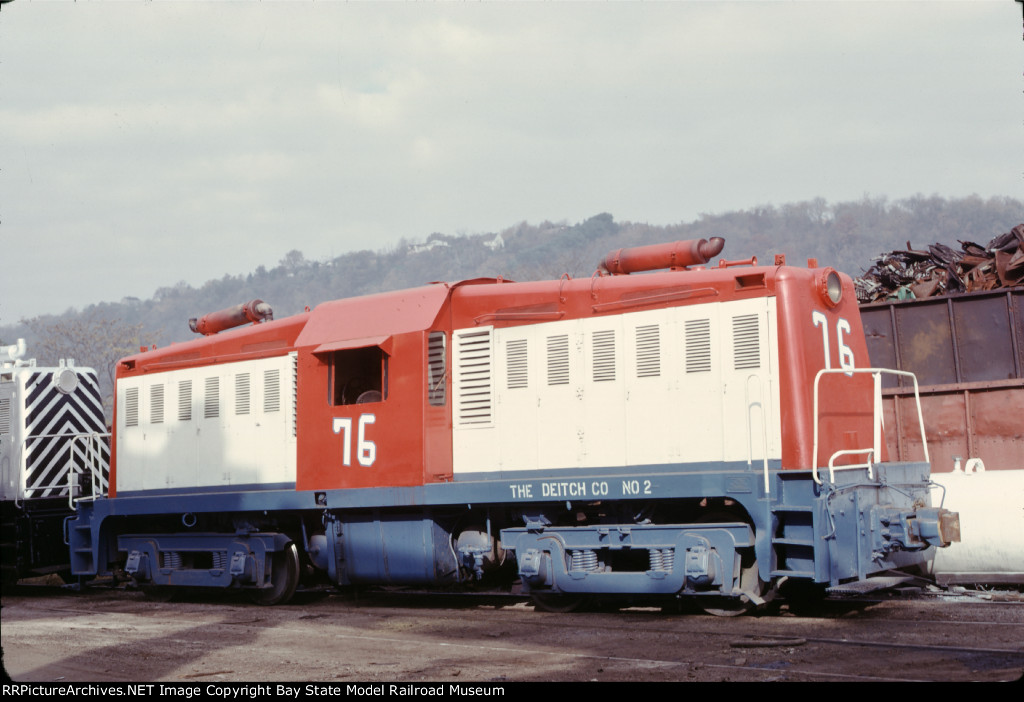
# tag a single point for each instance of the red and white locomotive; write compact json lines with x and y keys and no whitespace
{"x":699,"y":431}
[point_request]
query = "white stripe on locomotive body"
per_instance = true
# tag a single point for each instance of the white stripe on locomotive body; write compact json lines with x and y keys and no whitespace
{"x":215,"y":425}
{"x":667,"y":386}
{"x":43,"y":431}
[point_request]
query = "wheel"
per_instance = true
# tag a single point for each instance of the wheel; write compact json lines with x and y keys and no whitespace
{"x":750,"y":580}
{"x":159,"y":593}
{"x":557,"y":602}
{"x":727,"y":607}
{"x":284,"y":578}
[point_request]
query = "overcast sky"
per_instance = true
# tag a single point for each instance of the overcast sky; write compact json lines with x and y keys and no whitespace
{"x":148,"y":143}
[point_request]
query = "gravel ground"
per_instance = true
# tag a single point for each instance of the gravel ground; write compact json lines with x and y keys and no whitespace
{"x":49,"y":634}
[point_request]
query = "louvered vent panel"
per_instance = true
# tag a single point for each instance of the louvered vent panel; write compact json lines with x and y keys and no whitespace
{"x":131,"y":407}
{"x":648,"y":351}
{"x":698,"y":346}
{"x":558,"y":360}
{"x":436,"y":366}
{"x":272,"y":390}
{"x":475,"y":377}
{"x":516,"y":364}
{"x":746,"y":342}
{"x":604,"y":355}
{"x":5,"y":415}
{"x":294,"y":386}
{"x":156,"y":404}
{"x":211,"y":403}
{"x":242,"y":392}
{"x":184,"y":400}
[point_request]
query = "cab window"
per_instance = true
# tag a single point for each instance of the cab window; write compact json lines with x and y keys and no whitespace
{"x":358,"y":376}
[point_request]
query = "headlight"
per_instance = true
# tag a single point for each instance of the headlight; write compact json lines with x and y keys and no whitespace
{"x":830,"y":287}
{"x":65,"y":380}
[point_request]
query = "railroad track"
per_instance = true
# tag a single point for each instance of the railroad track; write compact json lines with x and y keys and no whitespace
{"x":410,"y":636}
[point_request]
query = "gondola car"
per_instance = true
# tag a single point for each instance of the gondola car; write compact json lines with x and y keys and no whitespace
{"x":664,"y":428}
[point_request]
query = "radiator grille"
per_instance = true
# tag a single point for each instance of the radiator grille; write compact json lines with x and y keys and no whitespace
{"x":558,"y":359}
{"x":604,"y":355}
{"x":474,"y":374}
{"x":272,"y":390}
{"x":242,"y":393}
{"x":516,"y":364}
{"x":156,"y":404}
{"x":698,"y":345}
{"x":184,"y":400}
{"x":648,"y":351}
{"x":211,"y":402}
{"x":746,"y":342}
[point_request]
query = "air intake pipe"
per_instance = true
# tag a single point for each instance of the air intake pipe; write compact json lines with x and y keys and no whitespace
{"x":252,"y":311}
{"x":679,"y":254}
{"x":15,"y":351}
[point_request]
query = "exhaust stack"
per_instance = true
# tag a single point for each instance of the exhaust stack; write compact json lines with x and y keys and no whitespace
{"x":14,"y":351}
{"x":679,"y":254}
{"x":252,"y":311}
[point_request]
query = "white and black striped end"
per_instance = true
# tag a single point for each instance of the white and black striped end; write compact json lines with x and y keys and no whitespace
{"x":61,"y":418}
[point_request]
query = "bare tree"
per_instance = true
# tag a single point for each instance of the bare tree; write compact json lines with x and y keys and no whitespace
{"x":91,"y":339}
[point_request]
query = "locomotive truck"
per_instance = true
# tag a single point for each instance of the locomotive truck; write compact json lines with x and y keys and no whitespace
{"x":664,"y":428}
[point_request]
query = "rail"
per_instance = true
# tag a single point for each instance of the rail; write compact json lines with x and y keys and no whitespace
{"x":875,"y":452}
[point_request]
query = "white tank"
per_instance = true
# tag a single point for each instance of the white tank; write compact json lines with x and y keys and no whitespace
{"x":991,"y":507}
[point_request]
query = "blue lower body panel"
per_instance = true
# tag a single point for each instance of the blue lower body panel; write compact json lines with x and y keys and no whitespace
{"x":689,"y":529}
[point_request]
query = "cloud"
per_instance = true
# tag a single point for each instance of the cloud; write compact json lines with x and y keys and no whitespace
{"x":148,"y":143}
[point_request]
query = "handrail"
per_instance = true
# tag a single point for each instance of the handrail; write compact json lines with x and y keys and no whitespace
{"x":84,"y":451}
{"x":876,"y":451}
{"x":849,"y":452}
{"x":92,"y":458}
{"x":750,"y":426}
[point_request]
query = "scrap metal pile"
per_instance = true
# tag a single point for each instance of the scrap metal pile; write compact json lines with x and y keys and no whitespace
{"x":903,"y":275}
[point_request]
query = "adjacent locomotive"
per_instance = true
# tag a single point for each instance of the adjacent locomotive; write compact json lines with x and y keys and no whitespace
{"x":702,"y":432}
{"x":53,"y":451}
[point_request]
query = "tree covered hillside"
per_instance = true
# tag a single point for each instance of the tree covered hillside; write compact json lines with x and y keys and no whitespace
{"x":846,"y":235}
